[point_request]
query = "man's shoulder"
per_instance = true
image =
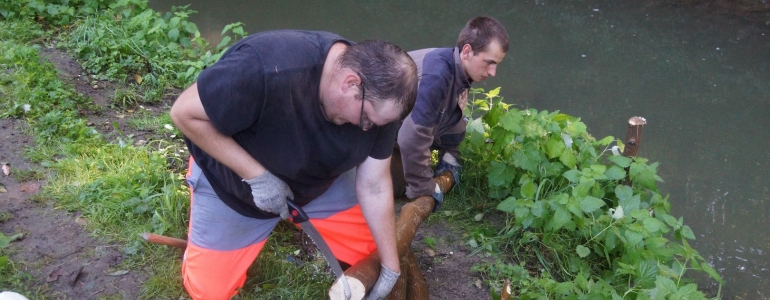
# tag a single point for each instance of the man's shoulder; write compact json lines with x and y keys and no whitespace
{"x":432,"y":53}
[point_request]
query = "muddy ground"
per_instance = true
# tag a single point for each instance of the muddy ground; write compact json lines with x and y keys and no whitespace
{"x":68,"y":263}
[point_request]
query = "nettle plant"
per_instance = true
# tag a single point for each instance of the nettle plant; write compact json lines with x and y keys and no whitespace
{"x":566,"y":202}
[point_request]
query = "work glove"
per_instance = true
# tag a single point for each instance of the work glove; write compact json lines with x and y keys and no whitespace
{"x":449,"y":163}
{"x":270,"y":194}
{"x":438,"y":195}
{"x":384,"y":284}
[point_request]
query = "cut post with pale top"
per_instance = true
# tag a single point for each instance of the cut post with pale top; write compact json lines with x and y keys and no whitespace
{"x":367,"y":270}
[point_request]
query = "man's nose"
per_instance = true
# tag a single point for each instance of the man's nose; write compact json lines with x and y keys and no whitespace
{"x":492,"y":70}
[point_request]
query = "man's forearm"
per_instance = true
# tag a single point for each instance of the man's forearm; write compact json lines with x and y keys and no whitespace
{"x":374,"y":190}
{"x":382,"y":223}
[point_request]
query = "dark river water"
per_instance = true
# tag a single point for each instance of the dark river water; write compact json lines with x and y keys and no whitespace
{"x":702,"y":82}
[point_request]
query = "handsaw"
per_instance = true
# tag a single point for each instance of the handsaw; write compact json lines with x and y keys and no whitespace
{"x":298,"y":216}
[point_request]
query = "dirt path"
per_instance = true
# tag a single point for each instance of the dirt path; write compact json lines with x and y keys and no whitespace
{"x":68,"y":263}
{"x":55,"y":248}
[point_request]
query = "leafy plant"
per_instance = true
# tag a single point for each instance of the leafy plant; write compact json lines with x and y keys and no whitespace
{"x":129,"y":41}
{"x":569,"y":215}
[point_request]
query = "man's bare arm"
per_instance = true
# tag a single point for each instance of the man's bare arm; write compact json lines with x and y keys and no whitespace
{"x":190,"y":117}
{"x":374,"y":189}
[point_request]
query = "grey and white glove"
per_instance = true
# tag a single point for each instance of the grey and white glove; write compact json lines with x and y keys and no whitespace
{"x":384,"y":284}
{"x":270,"y":194}
{"x":438,"y":195}
{"x":449,"y":163}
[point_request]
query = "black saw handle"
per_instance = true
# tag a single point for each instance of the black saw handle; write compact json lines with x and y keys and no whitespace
{"x":297,"y":214}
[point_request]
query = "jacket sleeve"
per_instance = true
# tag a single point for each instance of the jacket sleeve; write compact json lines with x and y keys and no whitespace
{"x":416,"y":135}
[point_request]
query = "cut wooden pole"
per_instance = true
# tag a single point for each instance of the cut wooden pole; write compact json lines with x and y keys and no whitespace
{"x":634,"y":136}
{"x":164,"y":240}
{"x":506,"y":290}
{"x":412,"y":214}
{"x":416,"y":286}
{"x":633,"y":139}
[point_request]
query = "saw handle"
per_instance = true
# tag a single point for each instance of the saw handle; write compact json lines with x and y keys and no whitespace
{"x":297,"y":214}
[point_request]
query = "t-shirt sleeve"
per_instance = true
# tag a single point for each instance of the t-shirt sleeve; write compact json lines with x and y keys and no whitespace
{"x":233,"y":90}
{"x":386,"y":138}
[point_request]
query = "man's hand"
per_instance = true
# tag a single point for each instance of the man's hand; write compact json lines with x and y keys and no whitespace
{"x":384,"y":284}
{"x":449,"y":163}
{"x":270,"y":194}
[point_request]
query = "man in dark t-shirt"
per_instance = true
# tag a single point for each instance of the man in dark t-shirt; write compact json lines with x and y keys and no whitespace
{"x":302,"y":115}
{"x":437,"y":120}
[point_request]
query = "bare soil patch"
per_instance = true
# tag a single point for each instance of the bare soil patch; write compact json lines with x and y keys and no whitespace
{"x":63,"y":258}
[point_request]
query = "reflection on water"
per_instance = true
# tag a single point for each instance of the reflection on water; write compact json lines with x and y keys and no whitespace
{"x":702,"y":84}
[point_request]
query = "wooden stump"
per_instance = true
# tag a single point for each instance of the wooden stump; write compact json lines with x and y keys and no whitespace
{"x":412,"y":214}
{"x":633,"y":139}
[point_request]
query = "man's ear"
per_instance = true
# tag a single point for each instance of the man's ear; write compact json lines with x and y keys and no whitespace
{"x":350,"y":80}
{"x":466,"y":52}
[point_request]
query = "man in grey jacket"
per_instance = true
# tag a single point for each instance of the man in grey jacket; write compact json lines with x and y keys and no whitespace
{"x":437,"y":120}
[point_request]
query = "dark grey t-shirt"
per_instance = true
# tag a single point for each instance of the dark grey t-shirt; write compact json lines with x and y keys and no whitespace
{"x":264,"y":93}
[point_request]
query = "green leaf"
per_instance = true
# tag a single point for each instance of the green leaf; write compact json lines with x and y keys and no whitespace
{"x":521,"y":212}
{"x":508,"y":205}
{"x":572,"y":175}
{"x":646,"y":273}
{"x":633,"y":238}
{"x":493,"y":93}
{"x":687,"y":233}
{"x":173,"y":34}
{"x":606,"y":140}
{"x":615,"y":173}
{"x":223,"y":43}
{"x":568,"y":159}
{"x":713,"y":273}
{"x":575,"y":129}
{"x":191,"y":28}
{"x":622,"y":161}
{"x":538,"y":208}
{"x":528,"y":158}
{"x":500,"y":174}
{"x":623,"y":192}
{"x":574,"y":207}
{"x":665,"y":284}
{"x":670,"y":220}
{"x":631,"y":204}
{"x":528,"y":190}
{"x":560,"y":218}
{"x":4,"y":261}
{"x":589,"y":204}
{"x":511,"y":121}
{"x":644,"y":175}
{"x":653,"y":225}
{"x":497,"y":192}
{"x":431,"y":242}
{"x":476,"y":130}
{"x":4,"y":241}
{"x":554,"y":147}
{"x":610,"y":241}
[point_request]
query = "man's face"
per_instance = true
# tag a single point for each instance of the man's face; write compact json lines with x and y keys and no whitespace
{"x":370,"y":117}
{"x":480,"y":65}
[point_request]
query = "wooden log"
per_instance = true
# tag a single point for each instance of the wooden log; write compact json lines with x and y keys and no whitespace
{"x":633,"y":136}
{"x":164,"y":240}
{"x":412,"y":214}
{"x":506,"y":290}
{"x":416,"y":286}
{"x":633,"y":140}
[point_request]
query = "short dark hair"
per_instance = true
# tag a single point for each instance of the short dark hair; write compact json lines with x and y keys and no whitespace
{"x":387,"y":72}
{"x":479,"y":32}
